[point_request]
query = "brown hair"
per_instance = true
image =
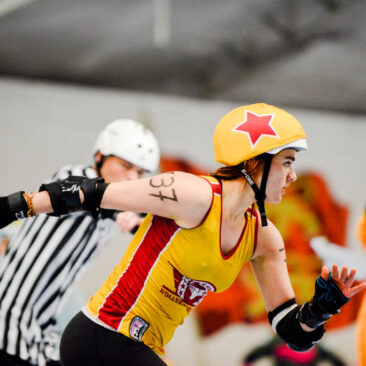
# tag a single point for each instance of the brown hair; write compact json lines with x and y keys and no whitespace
{"x":252,"y":166}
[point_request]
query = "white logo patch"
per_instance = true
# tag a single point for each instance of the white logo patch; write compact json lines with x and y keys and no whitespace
{"x":138,"y":328}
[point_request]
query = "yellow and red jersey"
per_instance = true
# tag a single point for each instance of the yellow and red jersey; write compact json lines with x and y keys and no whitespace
{"x":166,"y":271}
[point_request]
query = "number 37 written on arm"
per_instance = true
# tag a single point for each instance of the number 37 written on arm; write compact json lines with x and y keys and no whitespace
{"x":166,"y":184}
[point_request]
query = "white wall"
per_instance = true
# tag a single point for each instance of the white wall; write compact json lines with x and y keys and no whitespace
{"x":44,"y":126}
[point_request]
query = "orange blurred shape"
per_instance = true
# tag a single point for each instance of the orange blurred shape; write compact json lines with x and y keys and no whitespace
{"x":361,"y":229}
{"x":170,"y":163}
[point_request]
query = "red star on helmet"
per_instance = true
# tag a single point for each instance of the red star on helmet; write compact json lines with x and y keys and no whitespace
{"x":256,"y":126}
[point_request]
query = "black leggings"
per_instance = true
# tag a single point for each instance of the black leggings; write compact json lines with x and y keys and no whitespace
{"x":9,"y":360}
{"x":86,"y":343}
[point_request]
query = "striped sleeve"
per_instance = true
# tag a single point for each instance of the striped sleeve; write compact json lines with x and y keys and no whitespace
{"x":44,"y":258}
{"x":66,"y":171}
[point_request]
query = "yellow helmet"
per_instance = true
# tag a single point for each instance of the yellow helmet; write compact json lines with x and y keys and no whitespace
{"x":255,"y":129}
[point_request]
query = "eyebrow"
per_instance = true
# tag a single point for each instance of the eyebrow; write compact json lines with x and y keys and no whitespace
{"x":290,"y":158}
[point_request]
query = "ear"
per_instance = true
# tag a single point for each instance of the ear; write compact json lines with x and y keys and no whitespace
{"x":98,"y":157}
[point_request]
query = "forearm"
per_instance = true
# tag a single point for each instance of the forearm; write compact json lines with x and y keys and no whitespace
{"x":42,"y":203}
{"x":265,"y":270}
{"x":117,"y":197}
{"x":20,"y":205}
{"x":58,"y":197}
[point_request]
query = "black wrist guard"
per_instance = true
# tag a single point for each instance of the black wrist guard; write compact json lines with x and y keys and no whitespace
{"x":284,"y":321}
{"x":65,"y":194}
{"x":12,"y":208}
{"x":328,"y":299}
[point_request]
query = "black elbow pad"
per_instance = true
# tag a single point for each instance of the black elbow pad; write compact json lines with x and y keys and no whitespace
{"x":285,"y":323}
{"x":65,"y":197}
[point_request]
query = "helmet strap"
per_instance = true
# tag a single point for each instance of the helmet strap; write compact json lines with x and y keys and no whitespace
{"x":98,"y":165}
{"x":260,"y":193}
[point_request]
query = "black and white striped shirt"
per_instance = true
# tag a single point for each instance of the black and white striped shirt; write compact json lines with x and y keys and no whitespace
{"x":44,"y":258}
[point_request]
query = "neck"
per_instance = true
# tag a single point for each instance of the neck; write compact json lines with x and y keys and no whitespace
{"x":237,"y":197}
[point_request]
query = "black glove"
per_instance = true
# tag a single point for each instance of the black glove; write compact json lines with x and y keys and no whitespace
{"x":328,"y":299}
{"x":108,"y":214}
{"x":12,"y":208}
{"x":65,"y":196}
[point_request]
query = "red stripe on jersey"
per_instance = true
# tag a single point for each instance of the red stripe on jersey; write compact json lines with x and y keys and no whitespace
{"x":131,"y":283}
{"x":216,"y":186}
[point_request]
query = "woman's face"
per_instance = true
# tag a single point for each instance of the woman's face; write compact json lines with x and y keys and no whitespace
{"x":281,"y":174}
{"x":115,"y":169}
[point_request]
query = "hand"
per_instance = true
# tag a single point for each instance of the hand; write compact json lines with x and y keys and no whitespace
{"x":331,"y":293}
{"x":128,"y":220}
{"x":343,"y":280}
{"x":3,"y":245}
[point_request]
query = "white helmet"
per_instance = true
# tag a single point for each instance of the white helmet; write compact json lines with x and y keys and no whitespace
{"x":131,"y":141}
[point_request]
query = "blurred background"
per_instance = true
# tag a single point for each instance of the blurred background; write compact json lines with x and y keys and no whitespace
{"x":68,"y":68}
{"x":296,"y":53}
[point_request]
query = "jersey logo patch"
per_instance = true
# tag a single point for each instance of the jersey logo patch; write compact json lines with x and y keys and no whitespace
{"x":138,"y":327}
{"x":189,"y":290}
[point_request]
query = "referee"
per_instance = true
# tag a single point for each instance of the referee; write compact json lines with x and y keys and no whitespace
{"x":47,"y":254}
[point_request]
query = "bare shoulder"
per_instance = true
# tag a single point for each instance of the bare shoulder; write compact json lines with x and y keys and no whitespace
{"x":195,"y":194}
{"x":269,"y":241}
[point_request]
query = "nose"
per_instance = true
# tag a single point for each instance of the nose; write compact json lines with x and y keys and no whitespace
{"x":292,"y":176}
{"x":133,"y":174}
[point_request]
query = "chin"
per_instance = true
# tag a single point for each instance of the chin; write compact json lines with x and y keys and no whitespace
{"x":274,"y":201}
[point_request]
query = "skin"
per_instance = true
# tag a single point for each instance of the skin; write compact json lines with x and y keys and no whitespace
{"x":115,"y":169}
{"x":281,"y":175}
{"x":3,"y":245}
{"x":186,"y":198}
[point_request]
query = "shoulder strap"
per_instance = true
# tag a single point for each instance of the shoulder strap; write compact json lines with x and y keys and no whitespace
{"x":214,"y":183}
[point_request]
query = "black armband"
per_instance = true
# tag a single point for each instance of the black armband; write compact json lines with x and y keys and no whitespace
{"x":285,"y":323}
{"x":12,"y":208}
{"x":18,"y":205}
{"x":93,"y":190}
{"x":327,"y":301}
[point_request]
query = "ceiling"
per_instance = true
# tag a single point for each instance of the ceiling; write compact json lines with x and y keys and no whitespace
{"x":308,"y":54}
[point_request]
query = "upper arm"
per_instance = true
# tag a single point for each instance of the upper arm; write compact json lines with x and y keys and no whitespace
{"x":180,"y":196}
{"x":270,"y":267}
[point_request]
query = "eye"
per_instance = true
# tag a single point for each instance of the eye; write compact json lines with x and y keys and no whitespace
{"x":288,"y":163}
{"x":126,"y":165}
